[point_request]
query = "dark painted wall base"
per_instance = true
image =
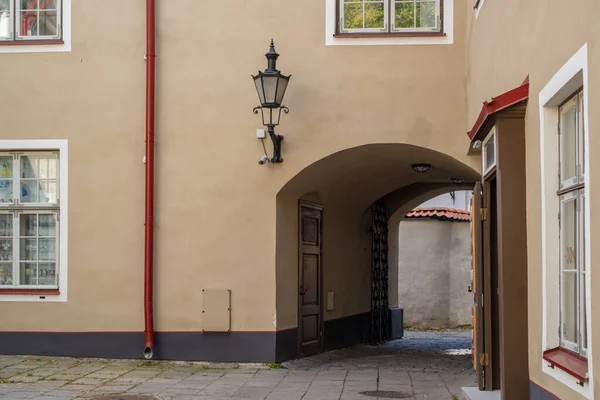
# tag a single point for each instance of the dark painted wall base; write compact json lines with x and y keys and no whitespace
{"x":538,"y":393}
{"x":186,"y":346}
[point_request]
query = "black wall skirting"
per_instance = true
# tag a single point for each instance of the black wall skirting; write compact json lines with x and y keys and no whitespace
{"x":538,"y":393}
{"x":186,"y":346}
{"x":347,"y":331}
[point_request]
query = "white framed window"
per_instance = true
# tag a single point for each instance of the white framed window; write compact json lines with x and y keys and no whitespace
{"x":489,"y":152}
{"x":389,"y":16}
{"x":30,"y":20}
{"x":35,"y":26}
{"x":571,"y":192}
{"x":33,"y":226}
{"x":565,"y":230}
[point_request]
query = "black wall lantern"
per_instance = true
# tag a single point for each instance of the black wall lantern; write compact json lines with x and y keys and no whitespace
{"x":270,"y":86}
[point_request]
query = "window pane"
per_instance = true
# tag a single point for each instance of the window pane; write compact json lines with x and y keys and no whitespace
{"x":28,"y":250}
{"x":48,"y":4}
{"x":569,"y":306}
{"x":28,"y":226}
{"x":426,"y":15}
{"x":580,"y":106}
{"x":490,"y":152}
{"x":583,"y":314}
{"x":29,"y":4}
{"x":29,"y":191}
{"x":47,"y":249}
{"x":374,"y":15}
{"x":568,"y":142}
{"x":582,"y":228}
{"x":29,"y":167}
{"x":6,"y":274}
{"x":353,"y":16}
{"x":405,"y":14}
{"x":47,"y":23}
{"x":568,"y":232}
{"x":4,"y":5}
{"x":47,"y":274}
{"x":47,"y":225}
{"x":6,"y":249}
{"x":6,"y":179}
{"x":6,"y":225}
{"x":5,"y":22}
{"x":28,"y":274}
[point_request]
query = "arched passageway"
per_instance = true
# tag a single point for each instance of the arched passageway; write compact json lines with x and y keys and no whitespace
{"x":324,"y":249}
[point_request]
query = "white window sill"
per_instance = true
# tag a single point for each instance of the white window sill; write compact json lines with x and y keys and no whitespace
{"x":567,"y":380}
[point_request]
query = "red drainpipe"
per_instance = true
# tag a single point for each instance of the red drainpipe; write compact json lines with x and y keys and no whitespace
{"x":149,"y":218}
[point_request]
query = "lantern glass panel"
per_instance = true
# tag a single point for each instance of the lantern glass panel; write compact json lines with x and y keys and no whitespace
{"x":283,"y":82}
{"x":259,"y":88}
{"x":270,"y":86}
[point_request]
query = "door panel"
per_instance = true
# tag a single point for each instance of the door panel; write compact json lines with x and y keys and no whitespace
{"x":477,"y":279}
{"x":310,"y":316}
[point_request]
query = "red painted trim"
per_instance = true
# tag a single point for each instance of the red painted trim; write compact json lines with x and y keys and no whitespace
{"x":149,"y":195}
{"x":31,"y":42}
{"x":499,"y":103}
{"x":42,"y":292}
{"x":571,"y":363}
{"x":112,"y":332}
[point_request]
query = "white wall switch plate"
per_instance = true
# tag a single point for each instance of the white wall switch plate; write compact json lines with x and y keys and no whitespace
{"x":261,"y":134}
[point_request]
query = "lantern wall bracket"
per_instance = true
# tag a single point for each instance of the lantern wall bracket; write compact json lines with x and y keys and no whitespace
{"x":270,"y":121}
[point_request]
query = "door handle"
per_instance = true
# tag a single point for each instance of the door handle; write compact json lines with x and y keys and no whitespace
{"x":302,"y":291}
{"x":469,"y":289}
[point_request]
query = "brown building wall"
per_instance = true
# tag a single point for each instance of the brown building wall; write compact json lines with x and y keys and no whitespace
{"x":510,"y":40}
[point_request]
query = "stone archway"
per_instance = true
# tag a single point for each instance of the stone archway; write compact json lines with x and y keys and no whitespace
{"x":346,"y":184}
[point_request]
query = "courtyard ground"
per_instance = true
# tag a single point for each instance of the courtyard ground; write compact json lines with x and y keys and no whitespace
{"x":422,"y":365}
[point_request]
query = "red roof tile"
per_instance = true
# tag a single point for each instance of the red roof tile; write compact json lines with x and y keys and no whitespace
{"x":440,"y":213}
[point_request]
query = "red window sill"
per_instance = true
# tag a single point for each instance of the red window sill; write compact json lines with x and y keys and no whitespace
{"x":387,"y":35}
{"x":571,"y":363}
{"x":30,"y":42}
{"x":40,"y":292}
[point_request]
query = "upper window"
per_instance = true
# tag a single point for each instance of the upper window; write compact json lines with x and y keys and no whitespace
{"x":30,"y":20}
{"x":389,"y":16}
{"x":489,"y":152}
{"x":571,"y":192}
{"x":29,"y":215}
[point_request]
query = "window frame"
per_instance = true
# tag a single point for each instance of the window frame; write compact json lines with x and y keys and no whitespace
{"x":389,"y":29}
{"x":18,"y":208}
{"x":48,"y":293}
{"x":485,"y":168}
{"x":15,"y":27}
{"x":572,"y":189}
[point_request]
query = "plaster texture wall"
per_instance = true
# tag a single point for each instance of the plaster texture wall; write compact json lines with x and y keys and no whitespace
{"x":461,"y":200}
{"x":510,"y":40}
{"x":434,"y":265}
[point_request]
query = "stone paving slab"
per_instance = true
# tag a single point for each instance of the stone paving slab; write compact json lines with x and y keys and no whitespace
{"x":423,"y":365}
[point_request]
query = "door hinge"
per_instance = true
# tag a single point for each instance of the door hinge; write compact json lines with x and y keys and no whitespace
{"x":484,"y":359}
{"x":484,"y":214}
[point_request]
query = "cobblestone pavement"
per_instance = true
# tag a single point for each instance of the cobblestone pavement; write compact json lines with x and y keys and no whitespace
{"x":422,"y":365}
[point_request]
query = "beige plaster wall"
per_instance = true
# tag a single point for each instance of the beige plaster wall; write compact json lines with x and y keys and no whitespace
{"x":217,"y":213}
{"x":508,"y":41}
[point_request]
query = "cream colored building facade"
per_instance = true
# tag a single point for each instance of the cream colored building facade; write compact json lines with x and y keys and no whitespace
{"x":362,"y":111}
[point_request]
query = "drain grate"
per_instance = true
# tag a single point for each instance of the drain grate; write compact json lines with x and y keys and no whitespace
{"x":124,"y":397}
{"x":383,"y":394}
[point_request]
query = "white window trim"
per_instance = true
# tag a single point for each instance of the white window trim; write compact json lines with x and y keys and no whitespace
{"x":489,"y":137}
{"x":570,"y":77}
{"x":62,"y":146}
{"x":331,"y":40}
{"x":478,"y":9}
{"x":47,"y":48}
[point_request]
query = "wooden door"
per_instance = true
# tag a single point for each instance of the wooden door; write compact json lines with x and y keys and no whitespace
{"x":477,"y":285}
{"x":310,"y":250}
